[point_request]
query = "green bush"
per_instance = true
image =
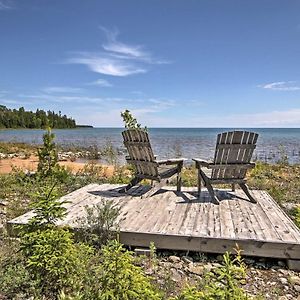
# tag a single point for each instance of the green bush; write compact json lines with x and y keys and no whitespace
{"x":15,"y":279}
{"x":53,"y":260}
{"x":99,"y":225}
{"x":120,"y":279}
{"x":190,"y":293}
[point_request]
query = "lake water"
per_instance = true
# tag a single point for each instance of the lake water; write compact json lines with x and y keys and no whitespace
{"x":167,"y":142}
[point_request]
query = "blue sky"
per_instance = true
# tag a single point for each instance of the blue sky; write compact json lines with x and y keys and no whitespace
{"x":173,"y":63}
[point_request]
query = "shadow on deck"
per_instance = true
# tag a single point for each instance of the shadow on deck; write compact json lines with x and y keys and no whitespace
{"x":180,"y":221}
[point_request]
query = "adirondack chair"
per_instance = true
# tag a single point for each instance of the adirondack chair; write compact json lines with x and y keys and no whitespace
{"x":233,"y":153}
{"x":146,"y":166}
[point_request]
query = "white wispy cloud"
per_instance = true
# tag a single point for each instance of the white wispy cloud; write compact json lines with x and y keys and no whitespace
{"x":102,"y":64}
{"x":116,"y":58}
{"x":61,"y":89}
{"x":6,"y":4}
{"x":282,"y":86}
{"x":101,"y":82}
{"x":113,"y":45}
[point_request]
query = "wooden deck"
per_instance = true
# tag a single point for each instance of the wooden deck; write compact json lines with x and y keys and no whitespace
{"x":180,"y":221}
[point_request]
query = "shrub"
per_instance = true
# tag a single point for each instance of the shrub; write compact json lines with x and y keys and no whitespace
{"x":120,"y":279}
{"x":99,"y":225}
{"x":47,"y":207}
{"x":15,"y":280}
{"x":53,"y":260}
{"x":224,"y":282}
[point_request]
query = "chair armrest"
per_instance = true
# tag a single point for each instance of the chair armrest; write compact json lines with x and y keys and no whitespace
{"x":174,"y":161}
{"x":127,"y":157}
{"x":202,"y":162}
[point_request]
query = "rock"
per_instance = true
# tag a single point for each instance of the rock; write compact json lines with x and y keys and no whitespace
{"x":284,"y":272}
{"x":295,"y":280}
{"x":249,"y":261}
{"x":2,"y":155}
{"x":216,"y":265}
{"x":208,"y":267}
{"x":220,"y":258}
{"x":261,"y":265}
{"x":282,"y":298}
{"x":174,"y":259}
{"x":149,"y":272}
{"x":283,"y":280}
{"x":198,"y":270}
{"x":187,"y":259}
{"x":175,"y":276}
{"x":297,"y":288}
{"x":281,"y":263}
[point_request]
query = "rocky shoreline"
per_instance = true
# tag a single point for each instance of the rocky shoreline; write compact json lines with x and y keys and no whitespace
{"x":267,"y":278}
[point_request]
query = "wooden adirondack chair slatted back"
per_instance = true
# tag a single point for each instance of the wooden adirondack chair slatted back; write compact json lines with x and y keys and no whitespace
{"x":140,"y":152}
{"x":233,"y":147}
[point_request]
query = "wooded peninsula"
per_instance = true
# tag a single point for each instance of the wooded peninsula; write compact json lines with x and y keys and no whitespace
{"x":20,"y":118}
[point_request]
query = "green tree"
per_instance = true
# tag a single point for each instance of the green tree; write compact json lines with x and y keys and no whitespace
{"x":48,"y":157}
{"x":130,"y":121}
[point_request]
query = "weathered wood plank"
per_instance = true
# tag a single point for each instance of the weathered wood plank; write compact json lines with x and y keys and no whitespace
{"x":181,"y":221}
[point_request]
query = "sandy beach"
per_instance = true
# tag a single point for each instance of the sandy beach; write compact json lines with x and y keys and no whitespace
{"x":30,"y":164}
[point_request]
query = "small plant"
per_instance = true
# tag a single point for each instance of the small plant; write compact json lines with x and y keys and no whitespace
{"x":110,"y":153}
{"x":130,"y":121}
{"x":283,"y":157}
{"x":100,"y":224}
{"x":297,"y":216}
{"x":48,"y":209}
{"x":120,"y":279}
{"x":48,"y":156}
{"x":191,"y":293}
{"x":153,"y":257}
{"x":224,"y":282}
{"x":94,"y":152}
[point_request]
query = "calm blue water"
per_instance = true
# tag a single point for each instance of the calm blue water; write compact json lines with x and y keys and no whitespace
{"x":167,"y":142}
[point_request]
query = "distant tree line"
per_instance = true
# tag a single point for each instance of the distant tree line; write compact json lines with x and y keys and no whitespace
{"x":20,"y":118}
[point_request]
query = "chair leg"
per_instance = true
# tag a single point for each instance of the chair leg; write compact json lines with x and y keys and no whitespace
{"x":233,"y":187}
{"x":245,"y":189}
{"x":209,"y":188}
{"x":179,"y":181}
{"x":199,"y":183}
{"x":132,"y":183}
{"x":179,"y":178}
{"x":157,"y":186}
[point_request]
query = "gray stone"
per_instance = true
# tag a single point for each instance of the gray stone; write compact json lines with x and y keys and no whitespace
{"x":174,"y":258}
{"x":284,"y":272}
{"x":198,"y":270}
{"x":283,"y":280}
{"x":281,"y":263}
{"x":175,"y":276}
{"x":220,"y":258}
{"x":297,"y":288}
{"x":187,"y":259}
{"x":249,"y":261}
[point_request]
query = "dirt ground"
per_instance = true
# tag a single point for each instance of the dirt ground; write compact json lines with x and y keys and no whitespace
{"x":30,"y":164}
